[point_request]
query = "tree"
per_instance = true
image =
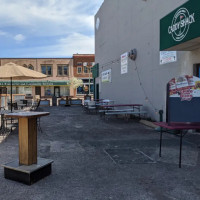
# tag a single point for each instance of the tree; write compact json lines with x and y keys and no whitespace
{"x":75,"y":83}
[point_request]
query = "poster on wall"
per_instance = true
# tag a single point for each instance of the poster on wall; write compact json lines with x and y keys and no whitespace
{"x":186,"y":87}
{"x":124,"y":63}
{"x":106,"y":76}
{"x":167,"y":57}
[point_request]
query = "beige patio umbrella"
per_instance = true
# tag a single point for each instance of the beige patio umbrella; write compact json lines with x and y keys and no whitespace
{"x":16,"y":72}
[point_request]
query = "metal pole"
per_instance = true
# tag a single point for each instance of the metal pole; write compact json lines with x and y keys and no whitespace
{"x":180,"y":153}
{"x":161,"y":131}
{"x":11,"y":94}
{"x":89,"y":79}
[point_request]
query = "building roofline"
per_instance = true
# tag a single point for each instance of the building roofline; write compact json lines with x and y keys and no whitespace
{"x":84,"y":54}
{"x":37,"y":58}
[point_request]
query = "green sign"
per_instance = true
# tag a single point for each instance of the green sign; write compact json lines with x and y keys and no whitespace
{"x":95,"y":71}
{"x":34,"y":83}
{"x":180,"y":26}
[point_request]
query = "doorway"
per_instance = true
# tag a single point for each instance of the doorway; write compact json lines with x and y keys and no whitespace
{"x":38,"y":90}
{"x":3,"y":90}
{"x":97,"y":91}
{"x":57,"y":91}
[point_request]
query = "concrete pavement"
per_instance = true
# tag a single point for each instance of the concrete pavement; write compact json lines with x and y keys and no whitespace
{"x":99,"y":160}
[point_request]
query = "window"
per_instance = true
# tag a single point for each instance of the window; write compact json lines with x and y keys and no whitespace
{"x":64,"y":91}
{"x":79,"y":63}
{"x":46,"y":69}
{"x":85,"y":69}
{"x":31,"y":67}
{"x":48,"y":91}
{"x":28,"y":90}
{"x":79,"y":70}
{"x":87,"y":88}
{"x":63,"y":70}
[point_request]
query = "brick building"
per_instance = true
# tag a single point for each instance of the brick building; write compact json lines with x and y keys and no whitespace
{"x":82,"y":64}
{"x":59,"y":71}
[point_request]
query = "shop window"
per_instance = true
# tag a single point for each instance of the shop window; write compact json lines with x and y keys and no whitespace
{"x":31,"y":67}
{"x":28,"y":90}
{"x":79,"y":70}
{"x":64,"y":91}
{"x":79,"y":63}
{"x":48,"y":91}
{"x":85,"y":89}
{"x":46,"y":69}
{"x":63,"y":70}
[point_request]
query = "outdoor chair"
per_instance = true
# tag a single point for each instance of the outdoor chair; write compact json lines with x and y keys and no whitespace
{"x":14,"y":106}
{"x":91,"y":106}
{"x":85,"y":105}
{"x":33,"y":107}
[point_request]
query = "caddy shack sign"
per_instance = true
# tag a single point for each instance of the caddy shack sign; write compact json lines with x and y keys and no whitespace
{"x":181,"y":26}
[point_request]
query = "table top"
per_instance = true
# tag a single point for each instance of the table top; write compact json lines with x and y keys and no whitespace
{"x":21,"y":104}
{"x":27,"y":114}
{"x":178,"y":126}
{"x":121,"y":105}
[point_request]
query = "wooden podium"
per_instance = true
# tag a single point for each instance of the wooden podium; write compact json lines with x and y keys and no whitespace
{"x":29,"y":168}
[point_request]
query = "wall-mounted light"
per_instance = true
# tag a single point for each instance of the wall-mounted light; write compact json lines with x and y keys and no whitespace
{"x":132,"y":54}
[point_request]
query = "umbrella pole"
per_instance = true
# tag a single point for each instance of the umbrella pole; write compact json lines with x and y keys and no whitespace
{"x":11,"y":94}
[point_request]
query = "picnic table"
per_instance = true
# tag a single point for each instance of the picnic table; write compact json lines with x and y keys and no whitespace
{"x":111,"y":109}
{"x":122,"y":105}
{"x":180,"y":127}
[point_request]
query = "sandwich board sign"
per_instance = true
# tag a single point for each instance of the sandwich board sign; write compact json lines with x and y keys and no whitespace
{"x":183,"y":99}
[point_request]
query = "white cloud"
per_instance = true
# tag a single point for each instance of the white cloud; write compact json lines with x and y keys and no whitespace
{"x":19,"y":37}
{"x":50,"y":19}
{"x":50,"y":16}
{"x":76,"y":43}
{"x":3,"y":33}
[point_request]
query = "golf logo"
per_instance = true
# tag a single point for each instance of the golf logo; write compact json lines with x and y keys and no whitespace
{"x":181,"y":24}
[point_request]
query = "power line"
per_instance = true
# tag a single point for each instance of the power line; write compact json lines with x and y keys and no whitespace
{"x":147,"y":99}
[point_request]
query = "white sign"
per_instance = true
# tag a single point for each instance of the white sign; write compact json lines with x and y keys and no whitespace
{"x":106,"y":76}
{"x":167,"y":57}
{"x":124,"y":63}
{"x":85,"y":64}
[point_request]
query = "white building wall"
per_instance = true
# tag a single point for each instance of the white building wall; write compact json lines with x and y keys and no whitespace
{"x":129,"y":24}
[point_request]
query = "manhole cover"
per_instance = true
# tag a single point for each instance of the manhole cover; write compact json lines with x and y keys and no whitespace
{"x":128,"y":156}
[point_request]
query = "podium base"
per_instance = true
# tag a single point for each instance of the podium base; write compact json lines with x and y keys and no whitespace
{"x":27,"y":174}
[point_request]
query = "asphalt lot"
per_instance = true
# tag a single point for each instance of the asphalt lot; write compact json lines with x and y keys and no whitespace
{"x":102,"y":160}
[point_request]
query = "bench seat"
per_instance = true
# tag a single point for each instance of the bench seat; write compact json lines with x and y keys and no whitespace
{"x":124,"y":112}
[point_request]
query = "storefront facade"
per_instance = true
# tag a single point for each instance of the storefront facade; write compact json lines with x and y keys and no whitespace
{"x":82,"y":64}
{"x":58,"y":71}
{"x":164,"y":38}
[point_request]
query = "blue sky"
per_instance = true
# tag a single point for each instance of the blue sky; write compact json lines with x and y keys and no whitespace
{"x":47,"y":28}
